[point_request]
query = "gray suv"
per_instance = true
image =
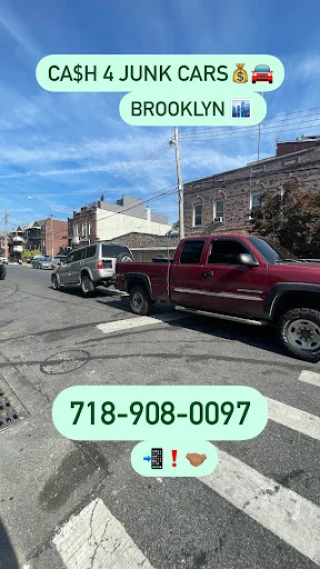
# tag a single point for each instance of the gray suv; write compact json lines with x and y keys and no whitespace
{"x":90,"y":267}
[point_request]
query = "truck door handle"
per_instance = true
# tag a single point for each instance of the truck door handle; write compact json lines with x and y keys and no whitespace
{"x":207,"y":274}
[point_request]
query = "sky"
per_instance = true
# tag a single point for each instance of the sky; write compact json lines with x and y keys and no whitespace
{"x":67,"y":149}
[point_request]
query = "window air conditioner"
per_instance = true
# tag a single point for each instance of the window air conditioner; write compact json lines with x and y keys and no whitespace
{"x":218,"y":219}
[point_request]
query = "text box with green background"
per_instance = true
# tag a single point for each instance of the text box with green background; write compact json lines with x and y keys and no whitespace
{"x":160,"y":412}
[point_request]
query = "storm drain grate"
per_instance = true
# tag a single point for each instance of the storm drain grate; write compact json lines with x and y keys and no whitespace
{"x":11,"y":410}
{"x":65,"y":362}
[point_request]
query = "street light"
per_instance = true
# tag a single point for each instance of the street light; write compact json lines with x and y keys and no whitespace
{"x":48,"y":205}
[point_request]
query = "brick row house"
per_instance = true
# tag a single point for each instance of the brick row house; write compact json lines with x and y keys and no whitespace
{"x":37,"y":236}
{"x":226,"y":201}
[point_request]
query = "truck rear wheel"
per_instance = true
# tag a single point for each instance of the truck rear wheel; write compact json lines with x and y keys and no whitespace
{"x":140,"y":301}
{"x":299,"y":333}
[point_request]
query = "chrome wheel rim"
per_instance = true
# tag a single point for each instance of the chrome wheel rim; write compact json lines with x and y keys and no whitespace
{"x":137,"y":300}
{"x":304,"y":335}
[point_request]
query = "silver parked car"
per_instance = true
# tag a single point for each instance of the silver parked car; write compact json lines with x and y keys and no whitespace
{"x":90,"y":267}
{"x":35,"y":263}
{"x":48,"y":263}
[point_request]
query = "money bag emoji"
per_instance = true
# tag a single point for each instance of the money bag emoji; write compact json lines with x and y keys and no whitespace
{"x":240,"y":75}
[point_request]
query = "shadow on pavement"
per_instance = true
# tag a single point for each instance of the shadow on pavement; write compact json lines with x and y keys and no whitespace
{"x":262,"y":337}
{"x":8,"y":558}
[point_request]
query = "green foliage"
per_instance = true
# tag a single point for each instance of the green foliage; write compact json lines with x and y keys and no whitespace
{"x":175,"y":228}
{"x":27,"y":254}
{"x":294,"y":221}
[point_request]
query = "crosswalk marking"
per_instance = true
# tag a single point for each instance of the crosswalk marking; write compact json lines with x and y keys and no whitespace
{"x":95,"y":539}
{"x":294,"y":418}
{"x":310,"y":377}
{"x":288,"y":515}
{"x":138,"y":322}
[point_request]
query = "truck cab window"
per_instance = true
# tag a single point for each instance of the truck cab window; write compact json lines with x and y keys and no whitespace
{"x":191,"y":252}
{"x":225,"y":252}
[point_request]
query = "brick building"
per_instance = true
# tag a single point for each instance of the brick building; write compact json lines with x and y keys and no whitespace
{"x":82,"y":227}
{"x":225,"y":202}
{"x":60,"y":236}
{"x":37,"y":236}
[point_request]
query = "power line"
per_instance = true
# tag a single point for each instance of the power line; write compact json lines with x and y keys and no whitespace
{"x":249,"y":132}
{"x":193,"y":130}
{"x":140,"y":165}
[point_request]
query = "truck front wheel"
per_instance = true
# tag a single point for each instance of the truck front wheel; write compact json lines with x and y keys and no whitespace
{"x":299,"y":333}
{"x":140,"y":301}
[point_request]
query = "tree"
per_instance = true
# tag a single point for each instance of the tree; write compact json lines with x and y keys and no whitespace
{"x":293,"y":220}
{"x":175,"y":228}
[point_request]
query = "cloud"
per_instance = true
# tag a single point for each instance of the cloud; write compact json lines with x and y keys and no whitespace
{"x":16,"y":30}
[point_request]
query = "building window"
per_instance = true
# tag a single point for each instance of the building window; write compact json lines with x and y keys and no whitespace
{"x":197,"y":215}
{"x":255,"y":201}
{"x":218,"y":211}
{"x":90,"y":227}
{"x":84,"y":230}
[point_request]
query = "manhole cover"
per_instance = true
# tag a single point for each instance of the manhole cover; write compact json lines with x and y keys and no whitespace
{"x":11,"y":410}
{"x":64,"y":362}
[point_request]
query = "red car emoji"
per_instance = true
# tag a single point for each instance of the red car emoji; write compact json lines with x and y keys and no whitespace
{"x":262,"y":73}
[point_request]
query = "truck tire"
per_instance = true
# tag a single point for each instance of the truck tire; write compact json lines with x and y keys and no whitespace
{"x":299,"y":333}
{"x":3,"y":272}
{"x":140,"y":301}
{"x":87,"y":286}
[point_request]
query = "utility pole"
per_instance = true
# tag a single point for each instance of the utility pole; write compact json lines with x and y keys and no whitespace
{"x":6,"y":234}
{"x":175,"y":141}
{"x":259,"y":133}
{"x":52,"y":247}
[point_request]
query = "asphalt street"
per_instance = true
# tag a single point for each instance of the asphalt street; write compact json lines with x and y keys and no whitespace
{"x":78,"y":504}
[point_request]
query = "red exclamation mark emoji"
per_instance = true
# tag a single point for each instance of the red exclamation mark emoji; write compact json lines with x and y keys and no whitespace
{"x":174,"y":457}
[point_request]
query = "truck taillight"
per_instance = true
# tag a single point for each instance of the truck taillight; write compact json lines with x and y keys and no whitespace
{"x":99,"y":265}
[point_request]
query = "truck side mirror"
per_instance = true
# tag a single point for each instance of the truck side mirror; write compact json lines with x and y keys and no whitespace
{"x":246,"y":259}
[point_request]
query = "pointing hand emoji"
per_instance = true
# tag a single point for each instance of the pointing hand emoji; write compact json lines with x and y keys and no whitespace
{"x":195,"y":458}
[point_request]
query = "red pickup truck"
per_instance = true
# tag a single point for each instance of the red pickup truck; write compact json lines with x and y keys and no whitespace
{"x":235,"y":277}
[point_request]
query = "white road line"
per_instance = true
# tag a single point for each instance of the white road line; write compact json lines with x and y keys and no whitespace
{"x":94,"y":539}
{"x":310,"y":377}
{"x":289,"y":516}
{"x":294,"y":418}
{"x":138,"y":322}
